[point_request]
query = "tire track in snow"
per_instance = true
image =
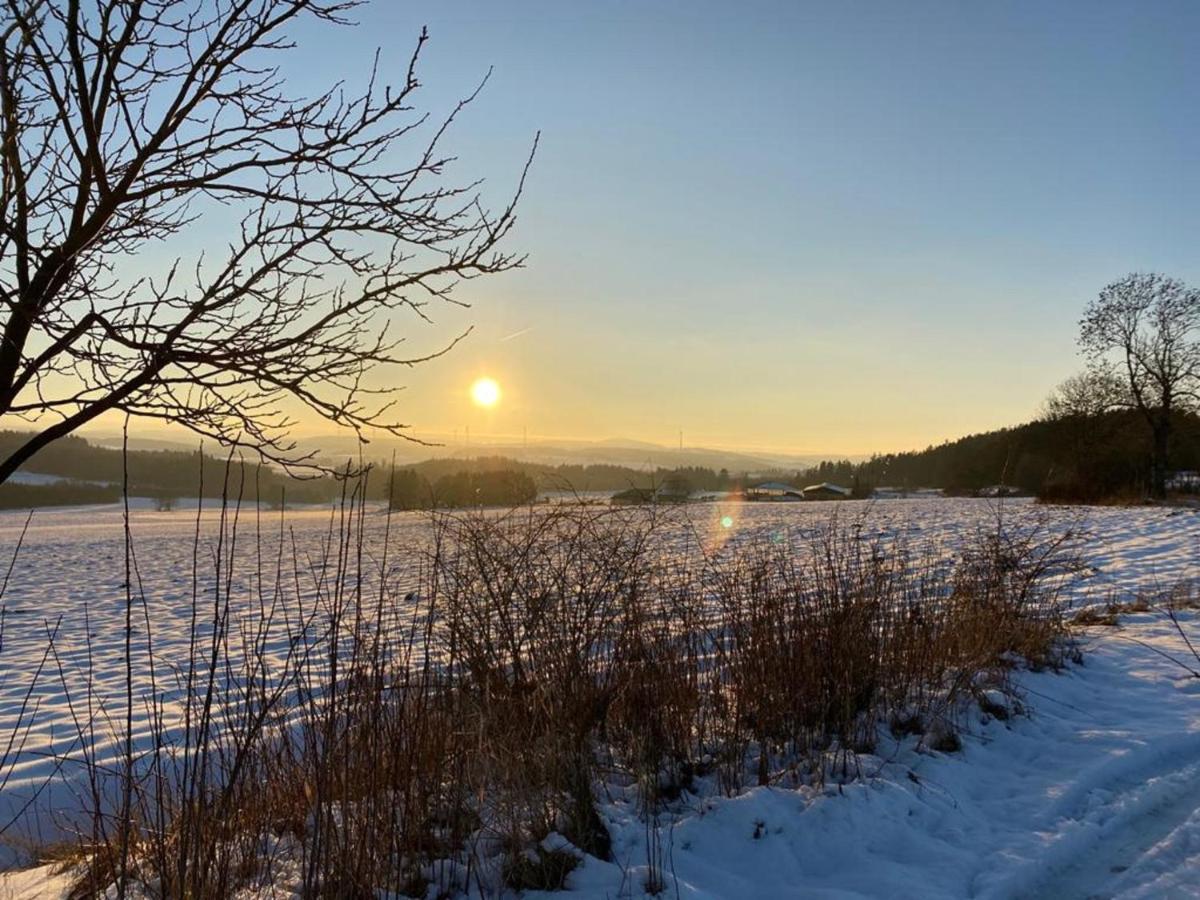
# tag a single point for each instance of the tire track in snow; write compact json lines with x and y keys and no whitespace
{"x":1108,"y":821}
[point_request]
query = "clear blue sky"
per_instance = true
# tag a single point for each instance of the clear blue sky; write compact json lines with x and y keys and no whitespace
{"x":832,"y":227}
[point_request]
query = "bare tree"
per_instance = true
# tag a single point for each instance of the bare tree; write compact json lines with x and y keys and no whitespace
{"x":1087,"y":395}
{"x":184,"y":240}
{"x":1145,"y":331}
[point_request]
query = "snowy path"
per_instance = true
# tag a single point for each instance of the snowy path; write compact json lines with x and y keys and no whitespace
{"x":1133,"y":824}
{"x":1126,"y":823}
{"x":1131,"y":809}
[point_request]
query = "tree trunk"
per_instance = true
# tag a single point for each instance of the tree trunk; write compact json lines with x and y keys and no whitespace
{"x":1158,"y":467}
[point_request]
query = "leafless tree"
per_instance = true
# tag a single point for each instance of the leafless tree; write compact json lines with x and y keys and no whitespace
{"x":185,"y":240}
{"x":1086,"y":395}
{"x":1145,"y":331}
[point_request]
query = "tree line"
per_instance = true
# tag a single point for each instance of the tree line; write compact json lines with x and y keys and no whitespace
{"x":1057,"y":457}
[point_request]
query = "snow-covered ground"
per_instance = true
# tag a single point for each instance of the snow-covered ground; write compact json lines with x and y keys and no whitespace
{"x":21,"y":476}
{"x":1095,"y":793}
{"x":35,"y":478}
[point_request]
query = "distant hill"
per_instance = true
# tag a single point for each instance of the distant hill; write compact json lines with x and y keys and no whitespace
{"x":75,"y":470}
{"x":635,"y":454}
{"x":116,"y":441}
{"x":615,"y":451}
{"x":153,"y":473}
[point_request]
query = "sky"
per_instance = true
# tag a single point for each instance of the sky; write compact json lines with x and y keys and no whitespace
{"x":831,"y":228}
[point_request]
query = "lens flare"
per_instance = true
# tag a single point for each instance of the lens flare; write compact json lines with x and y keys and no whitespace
{"x":722,"y":528}
{"x":485,"y":392}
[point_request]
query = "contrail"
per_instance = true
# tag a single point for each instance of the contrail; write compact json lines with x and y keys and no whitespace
{"x":515,"y":334}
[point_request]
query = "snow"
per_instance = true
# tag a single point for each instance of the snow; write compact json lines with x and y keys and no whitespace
{"x":1095,"y":793}
{"x":35,"y":478}
{"x":40,"y":883}
{"x":22,"y":476}
{"x":1090,"y":788}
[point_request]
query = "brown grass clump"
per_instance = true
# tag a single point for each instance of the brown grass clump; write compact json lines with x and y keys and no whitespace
{"x":1109,"y":614}
{"x":1093,"y":616}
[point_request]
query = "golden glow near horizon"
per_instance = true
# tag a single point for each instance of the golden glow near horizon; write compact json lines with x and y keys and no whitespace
{"x":485,"y":392}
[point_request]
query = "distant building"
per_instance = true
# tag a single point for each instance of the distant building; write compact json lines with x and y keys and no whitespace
{"x":826,"y":491}
{"x":773,"y":490}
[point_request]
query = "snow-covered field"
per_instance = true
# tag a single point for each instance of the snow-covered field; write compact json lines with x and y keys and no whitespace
{"x":1095,"y":793}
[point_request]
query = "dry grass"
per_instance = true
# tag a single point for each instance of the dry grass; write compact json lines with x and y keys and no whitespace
{"x":439,"y":739}
{"x":1180,"y":597}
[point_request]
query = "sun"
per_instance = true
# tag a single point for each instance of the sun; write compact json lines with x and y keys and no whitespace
{"x":485,"y":392}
